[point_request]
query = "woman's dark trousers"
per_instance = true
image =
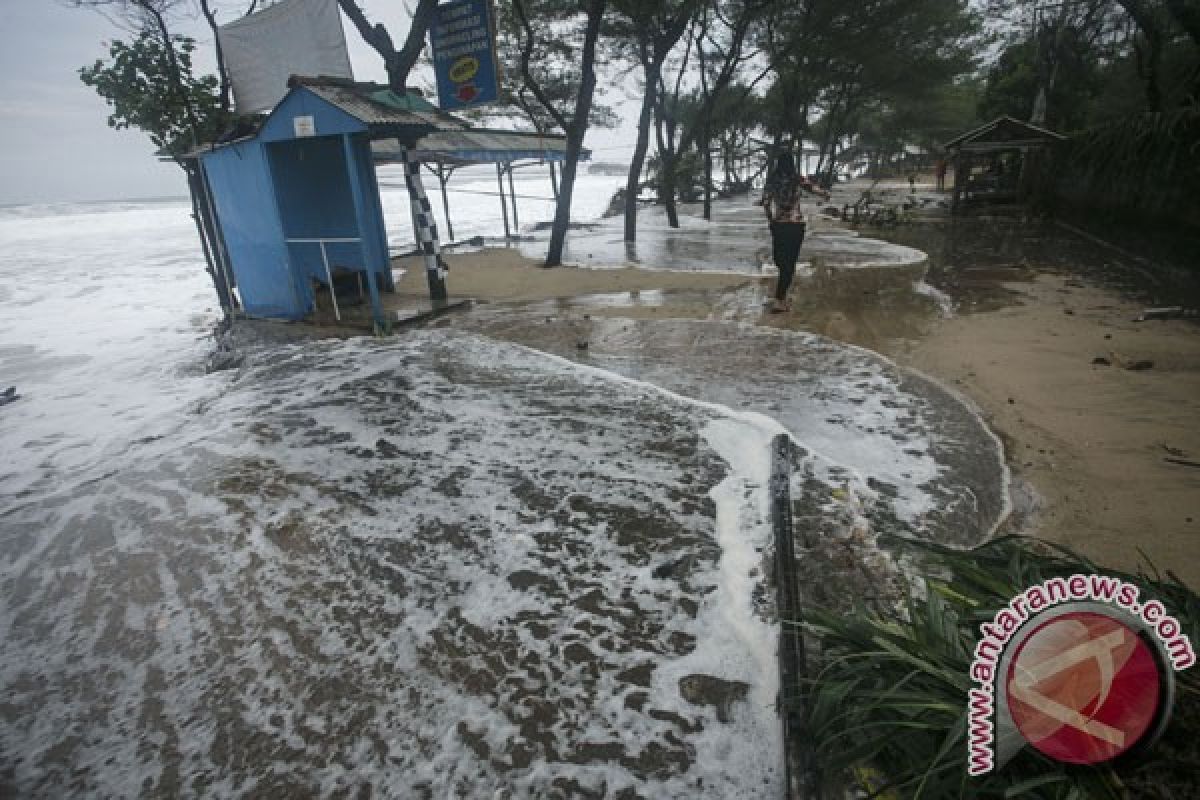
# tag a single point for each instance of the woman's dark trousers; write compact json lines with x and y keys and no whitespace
{"x":786,"y":238}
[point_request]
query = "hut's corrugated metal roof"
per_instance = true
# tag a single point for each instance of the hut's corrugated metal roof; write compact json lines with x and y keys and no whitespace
{"x":479,"y":145}
{"x":443,"y":137}
{"x":378,"y":107}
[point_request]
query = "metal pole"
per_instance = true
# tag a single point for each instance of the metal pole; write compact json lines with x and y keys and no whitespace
{"x":445,"y":202}
{"x":512,"y":194}
{"x":503,"y":202}
{"x":329,"y":276}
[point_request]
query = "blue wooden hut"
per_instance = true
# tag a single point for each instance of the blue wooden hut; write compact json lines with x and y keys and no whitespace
{"x":298,"y":203}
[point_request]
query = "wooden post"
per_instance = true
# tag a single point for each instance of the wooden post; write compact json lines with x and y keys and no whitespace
{"x":427,"y":237}
{"x":959,"y":160}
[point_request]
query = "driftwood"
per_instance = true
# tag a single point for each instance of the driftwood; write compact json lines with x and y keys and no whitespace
{"x":1169,"y":312}
{"x":1182,"y":461}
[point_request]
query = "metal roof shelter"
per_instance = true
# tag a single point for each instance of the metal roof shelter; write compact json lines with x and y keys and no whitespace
{"x":444,"y":151}
{"x":1002,"y":140}
{"x":297,"y":203}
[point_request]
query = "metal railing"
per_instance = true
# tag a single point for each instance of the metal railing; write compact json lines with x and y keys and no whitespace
{"x":328,"y":273}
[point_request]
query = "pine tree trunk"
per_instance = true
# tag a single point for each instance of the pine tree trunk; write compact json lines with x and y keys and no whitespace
{"x":634,"y":181}
{"x":708,"y":170}
{"x":666,"y":189}
{"x":575,"y":134}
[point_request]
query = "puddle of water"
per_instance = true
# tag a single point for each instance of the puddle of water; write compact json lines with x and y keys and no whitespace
{"x":972,"y":259}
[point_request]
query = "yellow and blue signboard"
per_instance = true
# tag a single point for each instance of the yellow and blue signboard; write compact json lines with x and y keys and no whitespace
{"x":464,"y":54}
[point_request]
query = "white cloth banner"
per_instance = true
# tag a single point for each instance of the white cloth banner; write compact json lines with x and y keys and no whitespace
{"x":293,"y":37}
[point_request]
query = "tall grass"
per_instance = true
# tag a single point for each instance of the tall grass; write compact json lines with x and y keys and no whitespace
{"x":885,"y":700}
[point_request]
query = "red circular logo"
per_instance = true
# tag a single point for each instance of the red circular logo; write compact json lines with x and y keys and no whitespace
{"x":1083,"y":688}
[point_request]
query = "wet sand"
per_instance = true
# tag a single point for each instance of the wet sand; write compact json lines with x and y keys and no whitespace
{"x":502,"y":274}
{"x":1089,"y":440}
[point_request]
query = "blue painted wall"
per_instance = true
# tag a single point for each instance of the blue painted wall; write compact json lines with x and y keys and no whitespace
{"x":244,"y":197}
{"x":329,"y":120}
{"x":374,"y":233}
{"x":278,"y":186}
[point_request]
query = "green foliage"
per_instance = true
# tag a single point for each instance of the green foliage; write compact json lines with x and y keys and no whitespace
{"x":880,"y":69}
{"x":1098,"y":61}
{"x":150,"y":86}
{"x":890,"y":697}
{"x":1012,"y":84}
{"x":1137,"y":176}
{"x":552,"y":39}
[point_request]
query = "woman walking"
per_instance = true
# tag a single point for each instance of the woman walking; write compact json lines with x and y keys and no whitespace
{"x":781,"y":201}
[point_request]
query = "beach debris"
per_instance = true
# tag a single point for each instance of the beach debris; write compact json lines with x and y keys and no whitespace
{"x":1178,"y":456}
{"x":1167,"y":312}
{"x":226,"y":356}
{"x":9,"y":395}
{"x":1069,"y":311}
{"x":581,"y":345}
{"x":1136,"y":365}
{"x":1182,"y":461}
{"x":1101,"y":361}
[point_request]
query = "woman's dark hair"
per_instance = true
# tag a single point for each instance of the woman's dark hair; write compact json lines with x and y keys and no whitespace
{"x":782,"y":174}
{"x":785,"y":166}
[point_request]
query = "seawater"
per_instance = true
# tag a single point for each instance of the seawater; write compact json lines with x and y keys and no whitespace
{"x":437,"y":565}
{"x":105,"y":311}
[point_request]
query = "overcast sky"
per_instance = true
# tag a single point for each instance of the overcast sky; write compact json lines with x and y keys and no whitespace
{"x":55,"y":144}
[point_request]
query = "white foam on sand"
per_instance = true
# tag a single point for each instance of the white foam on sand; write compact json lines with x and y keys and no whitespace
{"x":428,"y":565}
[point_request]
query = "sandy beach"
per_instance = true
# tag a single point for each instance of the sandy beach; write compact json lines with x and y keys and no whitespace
{"x":1087,"y":442}
{"x":504,"y":275}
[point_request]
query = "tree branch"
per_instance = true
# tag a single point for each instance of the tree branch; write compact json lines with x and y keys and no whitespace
{"x":222,"y":70}
{"x":560,"y":119}
{"x":406,"y":59}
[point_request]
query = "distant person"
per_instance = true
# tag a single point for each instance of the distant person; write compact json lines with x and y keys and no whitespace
{"x":781,"y":201}
{"x":939,"y":172}
{"x":912,"y":183}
